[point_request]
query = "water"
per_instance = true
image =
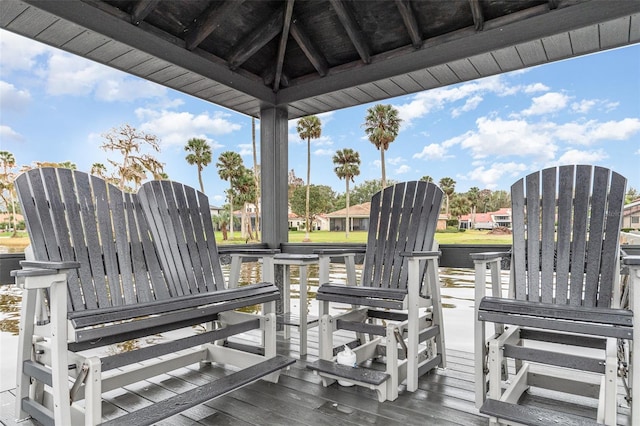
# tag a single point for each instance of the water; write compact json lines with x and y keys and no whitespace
{"x":457,"y":290}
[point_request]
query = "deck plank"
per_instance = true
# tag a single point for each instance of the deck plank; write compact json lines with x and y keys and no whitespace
{"x":444,"y":397}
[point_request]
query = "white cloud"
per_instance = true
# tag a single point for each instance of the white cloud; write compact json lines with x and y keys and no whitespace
{"x":535,"y":87}
{"x":432,"y":151}
{"x":7,"y":133}
{"x":590,"y":132}
{"x":246,"y":149}
{"x":583,"y":106}
{"x":547,"y":103}
{"x":176,"y":128}
{"x":324,"y":152}
{"x":19,"y":53}
{"x":501,"y":138}
{"x":13,"y":99}
{"x":404,"y":169}
{"x":321,"y":141}
{"x":574,"y":156}
{"x":394,"y":161}
{"x":75,"y":76}
{"x":491,"y":175}
{"x":470,"y":104}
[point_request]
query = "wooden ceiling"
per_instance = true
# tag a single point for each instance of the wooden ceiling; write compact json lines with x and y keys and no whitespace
{"x":321,"y":55}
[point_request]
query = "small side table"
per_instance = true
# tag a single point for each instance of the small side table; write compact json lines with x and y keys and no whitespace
{"x":303,"y":321}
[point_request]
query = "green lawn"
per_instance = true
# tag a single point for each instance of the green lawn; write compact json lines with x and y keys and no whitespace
{"x":468,"y":237}
{"x":358,"y":237}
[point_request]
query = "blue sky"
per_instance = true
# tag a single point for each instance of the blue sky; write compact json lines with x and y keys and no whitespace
{"x":486,"y":133}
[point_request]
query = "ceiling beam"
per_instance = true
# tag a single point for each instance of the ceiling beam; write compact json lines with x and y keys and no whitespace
{"x":116,"y":24}
{"x":478,"y":16}
{"x":553,"y":4}
{"x":311,"y":52}
{"x":282,"y":48}
{"x":410,"y":22}
{"x":256,"y":40}
{"x":514,"y":29}
{"x":141,"y":9}
{"x":353,"y":29}
{"x":208,"y":21}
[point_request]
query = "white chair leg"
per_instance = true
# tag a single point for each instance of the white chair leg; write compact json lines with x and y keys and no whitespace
{"x":93,"y":391}
{"x":59,"y":356}
{"x":25,"y":349}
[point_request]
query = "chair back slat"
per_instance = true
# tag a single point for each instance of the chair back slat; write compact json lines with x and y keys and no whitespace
{"x":72,"y":216}
{"x":403,"y":218}
{"x":565,"y":235}
{"x":181,"y":223}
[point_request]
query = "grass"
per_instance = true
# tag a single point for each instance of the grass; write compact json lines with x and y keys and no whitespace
{"x":359,"y":237}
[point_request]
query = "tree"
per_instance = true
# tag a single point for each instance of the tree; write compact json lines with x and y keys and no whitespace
{"x":8,"y":163}
{"x":321,"y":201}
{"x":293,"y":182}
{"x":200,"y":155}
{"x":382,"y":125}
{"x":222,"y":220}
{"x":133,"y":169}
{"x":460,"y":205}
{"x":245,"y":193}
{"x":631,"y":195}
{"x":426,"y":178}
{"x":308,"y":128}
{"x":256,"y":175}
{"x":229,"y":168}
{"x":347,"y":166}
{"x":448,"y":186}
{"x":362,"y":193}
{"x":473,"y":195}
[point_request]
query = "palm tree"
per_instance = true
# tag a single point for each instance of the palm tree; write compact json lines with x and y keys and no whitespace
{"x":382,"y":125}
{"x":347,"y":166}
{"x":229,"y":168}
{"x":448,"y":186}
{"x":200,"y":155}
{"x":308,"y":128}
{"x":473,"y":195}
{"x":426,"y":178}
{"x":8,"y":162}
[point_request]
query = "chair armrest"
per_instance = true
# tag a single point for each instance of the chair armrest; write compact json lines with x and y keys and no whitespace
{"x":255,"y":252}
{"x":338,"y":252}
{"x":490,"y":256}
{"x":633,"y":261}
{"x":32,"y":268}
{"x":421,"y":254}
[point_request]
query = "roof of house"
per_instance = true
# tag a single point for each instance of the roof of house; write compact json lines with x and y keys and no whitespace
{"x":487,"y":217}
{"x":359,"y":210}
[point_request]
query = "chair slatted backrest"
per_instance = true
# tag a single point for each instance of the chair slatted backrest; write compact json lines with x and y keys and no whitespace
{"x":181,"y":225}
{"x":566,"y":230}
{"x":403,"y":218}
{"x":72,"y":216}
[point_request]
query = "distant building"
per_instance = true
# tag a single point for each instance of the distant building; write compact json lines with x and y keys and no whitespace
{"x":490,"y":220}
{"x":631,"y":215}
{"x":359,"y":218}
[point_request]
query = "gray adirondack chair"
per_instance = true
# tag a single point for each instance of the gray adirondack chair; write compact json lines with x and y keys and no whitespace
{"x":99,"y":276}
{"x":560,"y":318}
{"x":397,"y":313}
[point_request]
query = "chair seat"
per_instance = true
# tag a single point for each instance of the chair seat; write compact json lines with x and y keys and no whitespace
{"x":362,"y":295}
{"x":607,"y":322}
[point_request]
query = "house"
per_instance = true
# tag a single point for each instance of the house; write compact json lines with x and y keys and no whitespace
{"x":490,"y":220}
{"x":359,"y":218}
{"x":631,"y":215}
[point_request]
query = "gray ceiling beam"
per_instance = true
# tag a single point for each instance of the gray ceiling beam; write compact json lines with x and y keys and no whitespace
{"x":512,"y":30}
{"x":311,"y":52}
{"x":256,"y":40}
{"x":208,"y":21}
{"x":141,"y":9}
{"x":478,"y":15}
{"x":353,"y":29}
{"x":282,"y":47}
{"x":410,"y":22}
{"x":116,"y":24}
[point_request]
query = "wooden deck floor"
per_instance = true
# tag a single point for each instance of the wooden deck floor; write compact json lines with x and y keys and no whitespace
{"x":444,"y":397}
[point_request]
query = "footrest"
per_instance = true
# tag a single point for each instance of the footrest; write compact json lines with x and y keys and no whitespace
{"x":531,"y":415}
{"x":357,"y":374}
{"x":176,"y":404}
{"x":292,"y":319}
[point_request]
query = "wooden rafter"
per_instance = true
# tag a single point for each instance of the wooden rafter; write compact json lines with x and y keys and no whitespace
{"x":553,"y":4}
{"x":208,"y":21}
{"x":353,"y":29}
{"x":256,"y":40}
{"x":478,"y":16}
{"x":282,"y":48}
{"x":141,"y":9}
{"x":410,"y":21}
{"x":269,"y":75}
{"x":311,"y":52}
